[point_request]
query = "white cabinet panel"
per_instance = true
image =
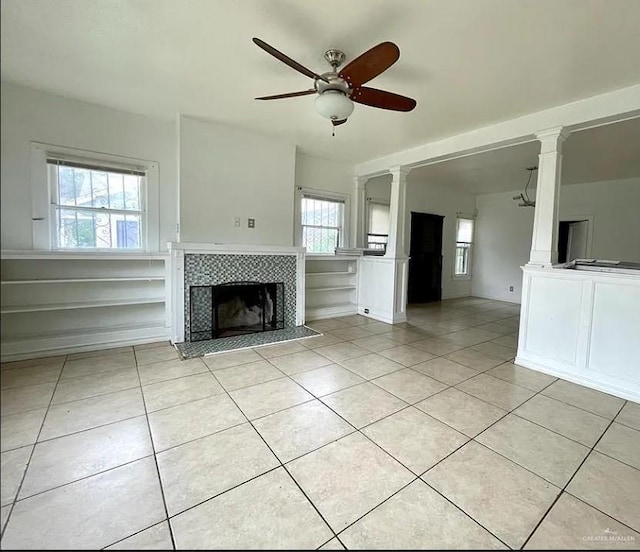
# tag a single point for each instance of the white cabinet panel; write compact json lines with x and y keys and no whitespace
{"x":615,"y":333}
{"x":554,"y":307}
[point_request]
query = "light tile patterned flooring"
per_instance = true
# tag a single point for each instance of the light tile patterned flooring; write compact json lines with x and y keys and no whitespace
{"x":420,"y":435}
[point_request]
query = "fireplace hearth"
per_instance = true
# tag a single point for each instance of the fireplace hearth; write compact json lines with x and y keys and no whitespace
{"x":235,"y":308}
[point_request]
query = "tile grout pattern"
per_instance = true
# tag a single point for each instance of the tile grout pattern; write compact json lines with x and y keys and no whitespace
{"x":425,"y":323}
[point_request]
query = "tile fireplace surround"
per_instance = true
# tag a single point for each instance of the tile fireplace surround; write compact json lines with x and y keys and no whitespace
{"x":210,"y":264}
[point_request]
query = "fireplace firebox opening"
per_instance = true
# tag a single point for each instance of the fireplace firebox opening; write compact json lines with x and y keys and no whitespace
{"x":235,"y":308}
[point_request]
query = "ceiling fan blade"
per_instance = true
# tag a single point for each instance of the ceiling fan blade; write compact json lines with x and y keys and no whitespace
{"x":338,"y":122}
{"x":289,"y":95}
{"x":370,"y":64}
{"x":286,"y":59}
{"x":382,"y":99}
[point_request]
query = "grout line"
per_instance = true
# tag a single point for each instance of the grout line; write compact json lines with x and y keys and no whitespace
{"x":94,"y":396}
{"x":33,"y":448}
{"x":101,"y":472}
{"x":137,"y":533}
{"x":547,"y":428}
{"x":283,"y":466}
{"x":155,"y":456}
{"x":84,"y":430}
{"x":417,"y":477}
{"x":579,"y":407}
{"x":602,"y":512}
{"x":564,"y":488}
{"x":355,"y":429}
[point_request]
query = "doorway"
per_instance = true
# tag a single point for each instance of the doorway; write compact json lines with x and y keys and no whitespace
{"x":572,"y":240}
{"x":425,"y":262}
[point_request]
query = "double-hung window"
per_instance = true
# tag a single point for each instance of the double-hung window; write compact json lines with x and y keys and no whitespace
{"x":377,"y":225}
{"x":323,"y":223}
{"x":96,"y":206}
{"x":464,"y":242}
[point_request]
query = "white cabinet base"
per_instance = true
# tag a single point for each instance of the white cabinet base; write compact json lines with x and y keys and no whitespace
{"x":582,"y":326}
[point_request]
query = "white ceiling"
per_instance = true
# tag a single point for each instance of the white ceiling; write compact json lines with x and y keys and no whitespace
{"x":608,"y":152}
{"x":468,"y":63}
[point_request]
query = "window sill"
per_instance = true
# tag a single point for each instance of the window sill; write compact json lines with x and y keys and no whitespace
{"x":462,"y":277}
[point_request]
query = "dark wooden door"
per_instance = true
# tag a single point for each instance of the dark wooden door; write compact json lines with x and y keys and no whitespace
{"x":425,"y":263}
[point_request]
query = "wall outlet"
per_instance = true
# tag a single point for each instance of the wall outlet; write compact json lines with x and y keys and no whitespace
{"x":236,"y":222}
{"x":366,"y":311}
{"x":251,"y":223}
{"x":510,"y":288}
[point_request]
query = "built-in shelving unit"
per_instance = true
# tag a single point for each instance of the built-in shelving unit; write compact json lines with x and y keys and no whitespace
{"x":330,"y":286}
{"x":56,"y":303}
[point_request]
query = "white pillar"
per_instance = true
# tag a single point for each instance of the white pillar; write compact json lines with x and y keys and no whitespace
{"x":397,"y":213}
{"x":544,"y":244}
{"x":358,"y":209}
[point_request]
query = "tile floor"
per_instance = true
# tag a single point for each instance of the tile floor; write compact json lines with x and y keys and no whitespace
{"x":420,"y":435}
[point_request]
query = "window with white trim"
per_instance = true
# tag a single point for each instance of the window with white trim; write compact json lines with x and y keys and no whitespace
{"x":377,"y":225}
{"x":323,"y":223}
{"x":96,"y":205}
{"x":464,"y":243}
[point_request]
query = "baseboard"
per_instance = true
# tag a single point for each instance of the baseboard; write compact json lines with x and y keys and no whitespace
{"x":494,"y":298}
{"x":320,"y":313}
{"x":597,"y":384}
{"x":454,"y":296}
{"x":381,"y":317}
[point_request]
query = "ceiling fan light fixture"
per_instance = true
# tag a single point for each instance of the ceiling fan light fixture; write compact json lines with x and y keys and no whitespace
{"x":334,"y":105}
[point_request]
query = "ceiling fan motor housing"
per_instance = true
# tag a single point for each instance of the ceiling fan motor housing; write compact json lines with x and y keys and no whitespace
{"x":335,"y":58}
{"x":335,"y":83}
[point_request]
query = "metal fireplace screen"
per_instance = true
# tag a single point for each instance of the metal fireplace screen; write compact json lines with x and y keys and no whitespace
{"x":235,"y":308}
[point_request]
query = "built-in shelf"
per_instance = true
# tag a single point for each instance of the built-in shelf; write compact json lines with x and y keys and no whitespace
{"x":63,"y":302}
{"x":336,"y":273}
{"x":82,"y":280}
{"x":81,"y":255}
{"x":87,"y":339}
{"x":82,"y":305}
{"x":331,"y":286}
{"x":89,"y":331}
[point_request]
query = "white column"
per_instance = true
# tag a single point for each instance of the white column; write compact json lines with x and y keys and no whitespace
{"x":397,"y":212}
{"x":358,"y":209}
{"x":544,"y":244}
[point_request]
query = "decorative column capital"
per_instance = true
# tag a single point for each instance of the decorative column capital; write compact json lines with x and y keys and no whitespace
{"x":551,"y":139}
{"x":360,"y":181}
{"x":399,"y":171}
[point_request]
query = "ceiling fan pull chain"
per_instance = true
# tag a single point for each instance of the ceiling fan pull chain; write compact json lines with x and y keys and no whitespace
{"x":333,"y":131}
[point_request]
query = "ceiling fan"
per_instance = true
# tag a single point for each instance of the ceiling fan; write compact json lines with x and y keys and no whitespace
{"x":338,"y":90}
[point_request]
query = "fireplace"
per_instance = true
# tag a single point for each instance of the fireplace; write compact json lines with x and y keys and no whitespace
{"x":235,"y":308}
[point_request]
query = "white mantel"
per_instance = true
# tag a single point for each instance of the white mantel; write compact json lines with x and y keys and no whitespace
{"x":231,"y":249}
{"x":178,"y":250}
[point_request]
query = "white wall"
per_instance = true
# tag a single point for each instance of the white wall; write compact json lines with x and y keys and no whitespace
{"x":503,"y":231}
{"x":615,"y":206}
{"x":226,"y":172}
{"x":379,"y":188}
{"x":503,"y":243}
{"x":30,"y":115}
{"x":433,"y":198}
{"x":323,"y":174}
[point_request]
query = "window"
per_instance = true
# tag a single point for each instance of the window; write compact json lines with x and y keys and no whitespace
{"x":322,"y":224}
{"x":464,"y":240}
{"x":322,"y":220}
{"x":96,"y":206}
{"x":378,"y":225}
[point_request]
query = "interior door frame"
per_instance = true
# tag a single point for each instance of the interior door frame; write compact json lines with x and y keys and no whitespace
{"x":576,"y":218}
